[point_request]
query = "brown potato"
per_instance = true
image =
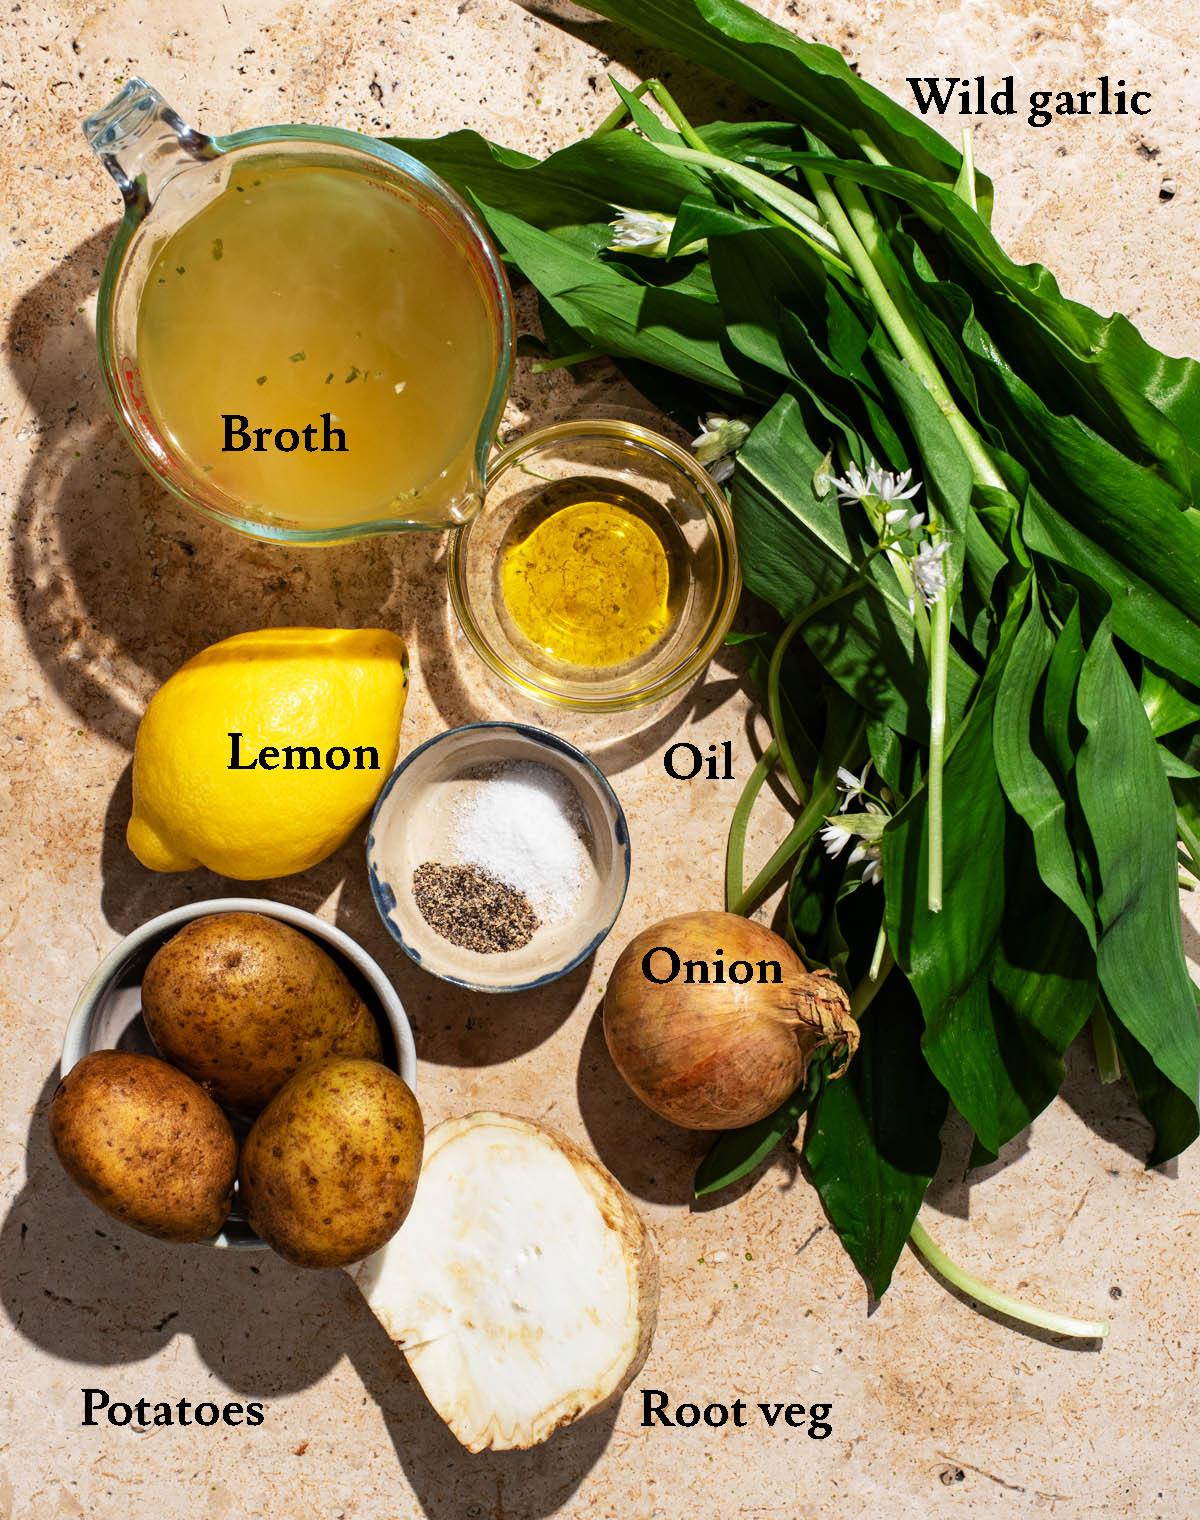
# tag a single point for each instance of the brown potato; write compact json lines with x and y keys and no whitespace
{"x":241,"y":1001}
{"x":145,"y":1144}
{"x":329,"y":1170}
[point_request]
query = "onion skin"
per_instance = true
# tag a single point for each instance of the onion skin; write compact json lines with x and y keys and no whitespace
{"x":719,"y":1056}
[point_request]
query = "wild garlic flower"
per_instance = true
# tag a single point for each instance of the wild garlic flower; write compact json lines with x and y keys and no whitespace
{"x":864,"y":830}
{"x":720,"y":438}
{"x":835,"y":836}
{"x":872,"y":872}
{"x":900,"y":515}
{"x":877,"y":484}
{"x":851,"y":786}
{"x":643,"y":232}
{"x":928,"y":573}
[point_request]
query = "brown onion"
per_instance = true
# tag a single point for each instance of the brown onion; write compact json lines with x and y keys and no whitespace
{"x":727,"y":1050}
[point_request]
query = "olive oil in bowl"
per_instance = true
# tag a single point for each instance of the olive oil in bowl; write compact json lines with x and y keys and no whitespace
{"x":316,"y":346}
{"x":601,"y":573}
{"x":585,"y":574}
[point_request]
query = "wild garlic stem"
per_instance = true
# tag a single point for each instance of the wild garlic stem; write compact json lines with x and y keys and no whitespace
{"x":939,"y":645}
{"x":809,"y":821}
{"x":542,"y":366}
{"x":902,"y":568}
{"x":1191,"y":843}
{"x":1108,"y":1058}
{"x":775,"y":671}
{"x":678,"y":120}
{"x":863,"y":994}
{"x":766,"y":205}
{"x":899,"y":321}
{"x":968,"y":169}
{"x":737,"y":899}
{"x":802,"y":830}
{"x":878,"y":279}
{"x":620,"y":111}
{"x":665,"y":99}
{"x":1045,"y":1319}
{"x":869,"y":151}
{"x":881,"y":945}
{"x":735,"y":849}
{"x":775,"y":702}
{"x":799,"y":211}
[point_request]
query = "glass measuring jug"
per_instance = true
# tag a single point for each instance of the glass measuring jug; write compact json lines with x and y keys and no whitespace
{"x":304,"y":332}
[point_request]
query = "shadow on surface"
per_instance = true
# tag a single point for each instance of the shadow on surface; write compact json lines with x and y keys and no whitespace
{"x":1108,"y":1109}
{"x":1031,"y":1332}
{"x":784,"y":1157}
{"x":92,"y":1292}
{"x":650,"y":1157}
{"x":453,"y":1026}
{"x":702,"y":96}
{"x":449,"y":1481}
{"x":117,"y":582}
{"x":950,"y":1190}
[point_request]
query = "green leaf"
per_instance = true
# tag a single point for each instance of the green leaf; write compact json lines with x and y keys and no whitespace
{"x":579,"y":184}
{"x":1004,"y":974}
{"x":1126,"y":798}
{"x":795,"y":550}
{"x":947,"y":473}
{"x":753,"y":272}
{"x":886,"y":752}
{"x":1141,"y":617}
{"x":1177,"y":769}
{"x":872,"y":1137}
{"x":1027,"y":780}
{"x":1166,"y":706}
{"x":810,"y":81}
{"x":1143,"y":403}
{"x":827,"y":346}
{"x":1063,"y":735}
{"x":1173,"y":1113}
{"x":700,"y":216}
{"x":643,"y":118}
{"x":849,"y":401}
{"x":1126,"y":510}
{"x":513,"y":181}
{"x":616,"y":314}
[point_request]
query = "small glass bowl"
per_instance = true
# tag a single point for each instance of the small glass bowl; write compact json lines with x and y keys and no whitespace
{"x":664,"y":485}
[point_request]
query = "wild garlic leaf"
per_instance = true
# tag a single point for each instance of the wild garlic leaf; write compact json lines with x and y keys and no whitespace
{"x":1126,"y":799}
{"x":872,"y":1137}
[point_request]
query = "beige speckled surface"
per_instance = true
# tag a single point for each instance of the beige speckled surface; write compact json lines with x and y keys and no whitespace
{"x":936,"y":1410}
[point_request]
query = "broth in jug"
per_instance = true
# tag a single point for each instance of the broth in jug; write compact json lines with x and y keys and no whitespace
{"x":317,"y":346}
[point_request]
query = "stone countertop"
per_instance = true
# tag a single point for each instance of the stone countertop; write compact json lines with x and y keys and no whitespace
{"x":936,"y":1409}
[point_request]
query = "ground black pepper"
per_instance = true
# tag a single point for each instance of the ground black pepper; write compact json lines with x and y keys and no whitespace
{"x":472,"y":909}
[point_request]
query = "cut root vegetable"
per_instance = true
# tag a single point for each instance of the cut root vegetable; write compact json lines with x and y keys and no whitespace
{"x":522,"y":1287}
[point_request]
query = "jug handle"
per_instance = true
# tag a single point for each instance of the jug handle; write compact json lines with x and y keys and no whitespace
{"x":143,"y":143}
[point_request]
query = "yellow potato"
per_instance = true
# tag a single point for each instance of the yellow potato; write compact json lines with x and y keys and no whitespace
{"x":145,"y":1144}
{"x":329,"y":1169}
{"x":241,"y":1001}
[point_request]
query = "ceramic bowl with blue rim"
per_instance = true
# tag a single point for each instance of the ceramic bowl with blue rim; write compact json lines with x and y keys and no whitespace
{"x":455,"y":805}
{"x":108,"y":1013}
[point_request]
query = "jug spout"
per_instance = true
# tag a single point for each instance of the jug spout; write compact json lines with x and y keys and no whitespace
{"x":143,"y":143}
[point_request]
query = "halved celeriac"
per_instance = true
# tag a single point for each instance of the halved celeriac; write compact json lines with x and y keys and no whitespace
{"x":522,"y":1287}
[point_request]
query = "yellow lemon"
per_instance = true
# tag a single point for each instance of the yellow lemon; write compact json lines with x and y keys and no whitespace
{"x":316,"y":714}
